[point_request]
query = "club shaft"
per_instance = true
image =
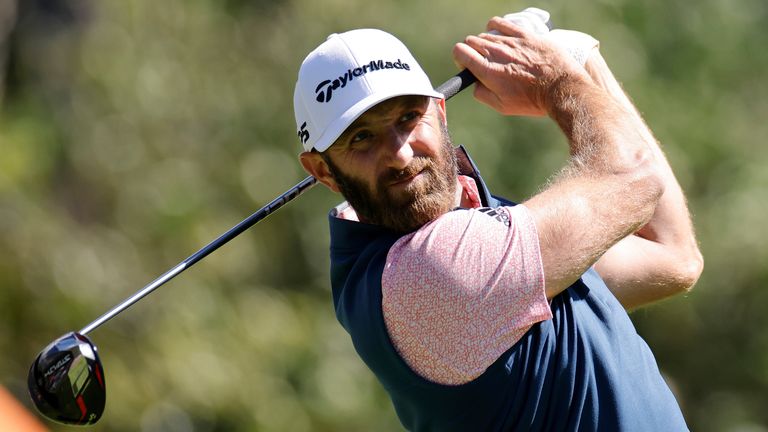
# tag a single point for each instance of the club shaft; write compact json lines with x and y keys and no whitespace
{"x":238,"y":229}
{"x":449,"y":88}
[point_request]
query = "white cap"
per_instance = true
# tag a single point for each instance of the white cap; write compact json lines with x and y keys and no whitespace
{"x":348,"y":74}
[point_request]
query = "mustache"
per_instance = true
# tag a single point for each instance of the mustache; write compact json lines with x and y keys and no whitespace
{"x":417,"y":165}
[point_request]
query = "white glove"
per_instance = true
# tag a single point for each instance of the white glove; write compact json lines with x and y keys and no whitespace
{"x":532,"y":19}
{"x":578,"y":44}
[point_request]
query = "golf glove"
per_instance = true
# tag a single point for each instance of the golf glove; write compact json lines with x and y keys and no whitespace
{"x":578,"y":44}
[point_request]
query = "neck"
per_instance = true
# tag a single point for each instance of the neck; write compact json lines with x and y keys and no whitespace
{"x":458,"y":195}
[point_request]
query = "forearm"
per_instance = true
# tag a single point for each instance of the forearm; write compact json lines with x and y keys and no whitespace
{"x":671,"y":222}
{"x":662,"y":258}
{"x":608,"y":189}
{"x":604,"y":137}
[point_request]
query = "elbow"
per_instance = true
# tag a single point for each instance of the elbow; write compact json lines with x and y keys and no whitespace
{"x":644,"y":181}
{"x":655,"y":187}
{"x":683,"y":273}
{"x":651,"y":174}
{"x":690,"y":270}
{"x":647,"y":186}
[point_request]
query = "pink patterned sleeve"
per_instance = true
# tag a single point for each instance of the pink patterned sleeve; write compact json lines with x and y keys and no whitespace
{"x":462,"y":290}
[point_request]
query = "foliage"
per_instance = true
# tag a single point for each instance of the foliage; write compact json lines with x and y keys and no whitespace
{"x":134,"y":132}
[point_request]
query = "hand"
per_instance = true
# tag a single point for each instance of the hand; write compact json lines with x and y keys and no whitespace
{"x":516,"y":68}
{"x":579,"y":45}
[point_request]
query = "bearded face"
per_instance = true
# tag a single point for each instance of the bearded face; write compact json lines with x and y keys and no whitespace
{"x":418,"y":203}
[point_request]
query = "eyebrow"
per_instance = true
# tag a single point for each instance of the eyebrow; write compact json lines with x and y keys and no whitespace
{"x":390,"y":104}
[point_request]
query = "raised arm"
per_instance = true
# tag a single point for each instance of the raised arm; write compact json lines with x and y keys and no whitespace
{"x":613,"y":182}
{"x":662,"y":258}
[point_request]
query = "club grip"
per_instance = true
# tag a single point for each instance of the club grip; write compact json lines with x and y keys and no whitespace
{"x":456,"y":83}
{"x":465,"y":78}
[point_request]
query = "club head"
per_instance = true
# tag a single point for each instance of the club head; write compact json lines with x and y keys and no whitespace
{"x":66,"y":381}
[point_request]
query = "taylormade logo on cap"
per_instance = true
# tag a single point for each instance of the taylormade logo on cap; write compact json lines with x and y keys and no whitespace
{"x":325,"y":89}
{"x":345,"y":76}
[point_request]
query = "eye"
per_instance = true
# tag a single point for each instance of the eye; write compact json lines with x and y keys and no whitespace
{"x":360,"y":136}
{"x":411,"y":115}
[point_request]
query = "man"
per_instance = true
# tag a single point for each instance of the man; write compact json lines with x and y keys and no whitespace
{"x":474,"y":313}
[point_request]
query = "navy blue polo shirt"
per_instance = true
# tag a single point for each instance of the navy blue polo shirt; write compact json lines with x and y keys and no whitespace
{"x":586,"y":369}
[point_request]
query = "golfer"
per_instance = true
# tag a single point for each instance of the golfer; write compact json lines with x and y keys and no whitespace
{"x":475,"y":313}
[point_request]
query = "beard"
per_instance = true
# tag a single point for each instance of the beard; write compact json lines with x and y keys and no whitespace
{"x":420,"y":203}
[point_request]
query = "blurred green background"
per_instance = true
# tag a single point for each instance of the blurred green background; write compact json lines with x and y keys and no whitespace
{"x":133,"y":132}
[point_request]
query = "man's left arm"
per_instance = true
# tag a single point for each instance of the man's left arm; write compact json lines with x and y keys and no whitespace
{"x":662,"y":258}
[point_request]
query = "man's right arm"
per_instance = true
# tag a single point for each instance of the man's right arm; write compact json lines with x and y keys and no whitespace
{"x":611,"y":184}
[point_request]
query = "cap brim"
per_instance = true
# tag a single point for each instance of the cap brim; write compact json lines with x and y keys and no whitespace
{"x":337,"y":127}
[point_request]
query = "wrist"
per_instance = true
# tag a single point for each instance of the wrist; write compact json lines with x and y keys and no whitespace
{"x":565,"y":93}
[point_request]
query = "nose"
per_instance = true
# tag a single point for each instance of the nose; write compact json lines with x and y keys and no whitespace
{"x":398,"y":148}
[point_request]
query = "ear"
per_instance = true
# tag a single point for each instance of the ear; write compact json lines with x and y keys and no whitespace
{"x":440,"y":105}
{"x":314,"y":164}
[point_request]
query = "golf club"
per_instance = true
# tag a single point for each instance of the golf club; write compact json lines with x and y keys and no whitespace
{"x":66,"y":380}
